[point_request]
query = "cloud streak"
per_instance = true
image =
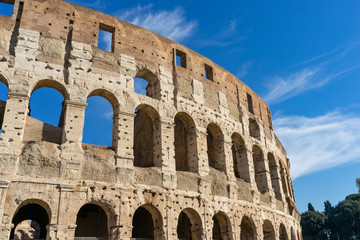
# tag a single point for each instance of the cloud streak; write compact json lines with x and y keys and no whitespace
{"x":311,"y":74}
{"x":169,"y":23}
{"x":319,"y":143}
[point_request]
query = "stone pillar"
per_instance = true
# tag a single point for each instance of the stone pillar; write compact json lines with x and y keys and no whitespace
{"x":166,"y":85}
{"x":268,"y":176}
{"x":125,"y":217}
{"x":250,"y":161}
{"x":229,"y":165}
{"x":203,"y":163}
{"x":168,"y":165}
{"x":5,"y":228}
{"x":14,"y":122}
{"x":74,"y":117}
{"x":62,"y":225}
{"x":124,"y":133}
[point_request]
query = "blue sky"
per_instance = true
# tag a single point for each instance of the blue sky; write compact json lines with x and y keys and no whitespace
{"x":301,"y":57}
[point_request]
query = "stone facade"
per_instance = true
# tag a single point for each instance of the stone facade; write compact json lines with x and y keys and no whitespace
{"x":196,"y":158}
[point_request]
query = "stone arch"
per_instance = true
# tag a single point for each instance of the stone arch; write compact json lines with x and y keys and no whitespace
{"x":153,"y":88}
{"x":44,"y":130}
{"x":254,"y":129}
{"x":189,"y":225}
{"x":112,"y":99}
{"x":92,"y":220}
{"x":247,"y":229}
{"x":215,"y":147}
{"x":221,"y":227}
{"x":4,"y":80}
{"x":268,"y":230}
{"x":283,"y":176}
{"x":50,"y":84}
{"x":274,"y":175}
{"x":260,"y":169}
{"x":109,"y":96}
{"x":282,"y":232}
{"x":185,"y":143}
{"x":3,"y":102}
{"x":147,"y":137}
{"x":240,"y":160}
{"x":293,"y":234}
{"x":147,"y":223}
{"x":32,"y":209}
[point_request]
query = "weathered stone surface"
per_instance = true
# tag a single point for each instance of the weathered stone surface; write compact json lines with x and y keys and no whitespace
{"x":195,"y":158}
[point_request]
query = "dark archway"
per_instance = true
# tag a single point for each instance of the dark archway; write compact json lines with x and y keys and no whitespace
{"x":254,"y":129}
{"x":260,"y":169}
{"x":185,"y":143}
{"x":189,"y":225}
{"x":283,"y":233}
{"x":147,"y":136}
{"x":215,"y":147}
{"x":147,"y":223}
{"x":268,"y":230}
{"x":32,"y":212}
{"x":92,"y":221}
{"x":274,"y":174}
{"x":221,"y":226}
{"x":248,"y":231}
{"x":240,"y":160}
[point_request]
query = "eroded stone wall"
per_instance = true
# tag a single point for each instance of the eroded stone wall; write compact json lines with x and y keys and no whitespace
{"x":48,"y":175}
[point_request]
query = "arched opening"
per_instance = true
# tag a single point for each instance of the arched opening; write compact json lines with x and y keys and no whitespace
{"x":91,"y":222}
{"x":46,"y":112}
{"x":254,"y":129}
{"x":221,"y":227}
{"x":283,"y":179}
{"x":215,"y":145}
{"x":147,"y":137}
{"x":4,"y":89}
{"x":293,"y":235}
{"x":282,"y":232}
{"x":27,"y":229}
{"x":240,"y":161}
{"x":268,"y":230}
{"x":247,"y":229}
{"x":147,"y":223}
{"x":185,"y":143}
{"x":100,"y":119}
{"x":260,"y":169}
{"x":30,"y":219}
{"x":146,"y":83}
{"x":275,"y":178}
{"x":189,"y":225}
{"x":184,"y":227}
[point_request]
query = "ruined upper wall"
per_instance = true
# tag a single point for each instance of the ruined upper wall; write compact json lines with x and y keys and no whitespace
{"x":54,"y":18}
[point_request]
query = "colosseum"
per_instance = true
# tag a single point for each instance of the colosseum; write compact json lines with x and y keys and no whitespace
{"x":195,"y":157}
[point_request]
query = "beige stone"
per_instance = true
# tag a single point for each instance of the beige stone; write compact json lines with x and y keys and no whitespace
{"x":196,"y":158}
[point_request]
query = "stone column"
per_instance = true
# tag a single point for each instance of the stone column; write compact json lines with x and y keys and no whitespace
{"x":203,"y":163}
{"x":62,"y":225}
{"x":168,"y":165}
{"x":74,"y":117}
{"x":124,"y":133}
{"x":14,"y":122}
{"x":5,"y":228}
{"x":125,"y":219}
{"x":229,"y":165}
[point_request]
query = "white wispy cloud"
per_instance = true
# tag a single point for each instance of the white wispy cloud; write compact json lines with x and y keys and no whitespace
{"x":319,"y":143}
{"x":168,"y":23}
{"x":311,"y":74}
{"x":244,"y":69}
{"x":228,"y":35}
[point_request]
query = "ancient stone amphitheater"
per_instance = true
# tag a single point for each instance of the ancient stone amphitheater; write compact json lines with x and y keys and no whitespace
{"x":196,"y":158}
